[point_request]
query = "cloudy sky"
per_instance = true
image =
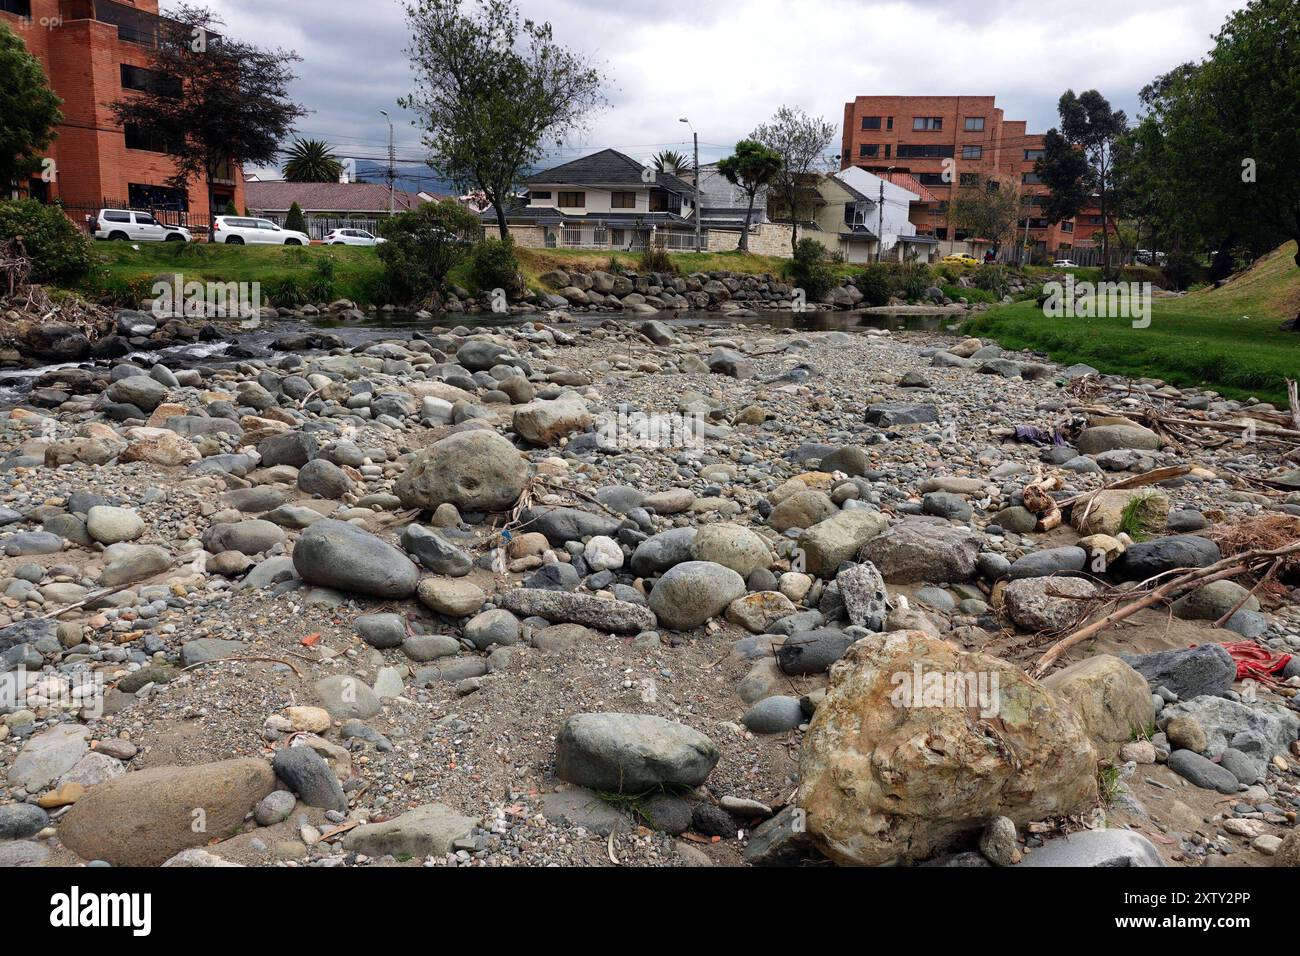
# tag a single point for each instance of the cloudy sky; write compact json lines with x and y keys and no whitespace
{"x":728,"y":64}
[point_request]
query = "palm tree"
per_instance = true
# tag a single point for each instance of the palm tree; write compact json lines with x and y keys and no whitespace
{"x":671,"y":161}
{"x":311,"y":161}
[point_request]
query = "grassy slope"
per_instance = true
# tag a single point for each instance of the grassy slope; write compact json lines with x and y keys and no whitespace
{"x":1226,"y":339}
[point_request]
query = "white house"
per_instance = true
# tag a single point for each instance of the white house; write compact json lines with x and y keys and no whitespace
{"x":890,"y":216}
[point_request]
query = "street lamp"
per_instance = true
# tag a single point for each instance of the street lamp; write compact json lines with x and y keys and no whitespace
{"x":391,"y":160}
{"x":697,"y":181}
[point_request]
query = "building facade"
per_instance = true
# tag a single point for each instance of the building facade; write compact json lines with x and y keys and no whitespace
{"x":946,"y":143}
{"x":95,"y":52}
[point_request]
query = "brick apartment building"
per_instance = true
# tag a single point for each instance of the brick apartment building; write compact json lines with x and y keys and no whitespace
{"x":95,"y":52}
{"x":969,"y":138}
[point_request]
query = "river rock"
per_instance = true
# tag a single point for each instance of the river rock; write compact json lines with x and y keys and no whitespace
{"x":631,"y":753}
{"x":474,"y":470}
{"x":336,"y":554}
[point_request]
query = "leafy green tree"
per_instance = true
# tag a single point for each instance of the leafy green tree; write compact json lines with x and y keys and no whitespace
{"x":751,"y":167}
{"x":29,"y":111}
{"x":217,"y":103}
{"x":424,"y":245}
{"x":311,"y":161}
{"x":801,"y":141}
{"x":988,"y":208}
{"x":1090,"y":129}
{"x":295,"y":220}
{"x":491,"y":92}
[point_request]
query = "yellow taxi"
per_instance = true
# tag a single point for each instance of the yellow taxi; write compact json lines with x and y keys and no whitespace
{"x":961,"y":259}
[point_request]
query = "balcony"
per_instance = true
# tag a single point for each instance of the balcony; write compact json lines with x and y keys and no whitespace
{"x":133,"y":25}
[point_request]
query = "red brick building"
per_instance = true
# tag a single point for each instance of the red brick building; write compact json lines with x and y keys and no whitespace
{"x":95,"y":52}
{"x":945,"y":142}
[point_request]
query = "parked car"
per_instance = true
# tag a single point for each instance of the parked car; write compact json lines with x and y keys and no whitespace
{"x":351,"y":237}
{"x":127,"y":225}
{"x":1145,"y":257}
{"x":1064,"y":264}
{"x":961,"y":259}
{"x":240,"y":230}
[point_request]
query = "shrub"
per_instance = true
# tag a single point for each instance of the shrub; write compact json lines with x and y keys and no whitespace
{"x":59,"y":251}
{"x":993,"y":278}
{"x":911,"y":279}
{"x":286,"y":292}
{"x":655,"y":260}
{"x":1142,"y":274}
{"x":319,"y":286}
{"x":875,"y":284}
{"x":295,"y":220}
{"x":493,"y":265}
{"x":808,"y":269}
{"x":424,"y":245}
{"x":230,"y":209}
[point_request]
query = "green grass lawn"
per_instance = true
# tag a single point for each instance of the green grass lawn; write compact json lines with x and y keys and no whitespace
{"x":1226,"y":339}
{"x":128,"y":273}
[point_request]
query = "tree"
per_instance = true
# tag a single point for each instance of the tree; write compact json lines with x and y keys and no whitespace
{"x":801,"y":141}
{"x":311,"y":161}
{"x":751,"y":167}
{"x":295,"y":220}
{"x":424,"y":245}
{"x":215,"y":103}
{"x":671,"y":161}
{"x":490,"y":91}
{"x":29,"y":111}
{"x":1090,"y":128}
{"x":988,"y":208}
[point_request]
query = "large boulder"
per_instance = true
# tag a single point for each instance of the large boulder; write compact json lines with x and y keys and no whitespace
{"x":1099,"y":438}
{"x":428,"y":830}
{"x":475,"y":470}
{"x":828,"y":544}
{"x":917,"y":550}
{"x":732,"y":546}
{"x":631,"y":753}
{"x":1046,"y":604}
{"x":1188,"y":672}
{"x":1096,"y":848}
{"x":918,"y":744}
{"x":546,"y":422}
{"x":146,"y":817}
{"x":1105,"y":512}
{"x":1146,"y":559}
{"x":1111,"y":699}
{"x":690,"y":593}
{"x":338,"y":555}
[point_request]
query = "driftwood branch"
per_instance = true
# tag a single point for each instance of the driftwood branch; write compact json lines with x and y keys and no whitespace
{"x":1226,"y":568}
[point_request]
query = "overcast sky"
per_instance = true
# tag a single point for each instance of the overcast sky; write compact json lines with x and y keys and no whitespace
{"x":728,"y":64}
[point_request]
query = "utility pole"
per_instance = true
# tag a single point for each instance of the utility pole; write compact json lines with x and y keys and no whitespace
{"x":696,"y":177}
{"x":392,"y":161}
{"x":880,"y":228}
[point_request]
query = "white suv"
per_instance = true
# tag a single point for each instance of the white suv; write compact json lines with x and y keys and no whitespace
{"x":126,"y":225}
{"x":239,"y":230}
{"x":351,"y":237}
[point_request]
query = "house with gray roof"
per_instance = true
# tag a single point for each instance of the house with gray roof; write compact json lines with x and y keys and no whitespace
{"x":606,"y":200}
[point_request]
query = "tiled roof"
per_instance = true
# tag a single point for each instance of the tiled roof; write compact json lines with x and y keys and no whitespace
{"x":910,"y":183}
{"x":608,"y":167}
{"x":327,"y":197}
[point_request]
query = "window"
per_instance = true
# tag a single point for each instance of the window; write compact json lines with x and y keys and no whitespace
{"x":149,"y":81}
{"x":888,"y":147}
{"x":22,"y":8}
{"x":144,"y":196}
{"x":889,"y":123}
{"x":264,"y":224}
{"x":137,"y":138}
{"x":1067,"y":226}
{"x":1034,"y":154}
{"x":113,"y":216}
{"x":974,"y":124}
{"x":535,"y":196}
{"x":1031,"y":178}
{"x":1031,"y":200}
{"x":924,"y":152}
{"x":871,"y":122}
{"x":972,"y":152}
{"x":868,"y":149}
{"x":970,"y":179}
{"x":662,"y":202}
{"x":573,"y":200}
{"x":622,"y":200}
{"x":928,"y":123}
{"x":931,"y":179}
{"x":144,"y":219}
{"x":941,"y":233}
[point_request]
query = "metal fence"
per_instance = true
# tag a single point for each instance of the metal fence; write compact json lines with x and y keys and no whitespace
{"x":320,"y":226}
{"x":85,"y":214}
